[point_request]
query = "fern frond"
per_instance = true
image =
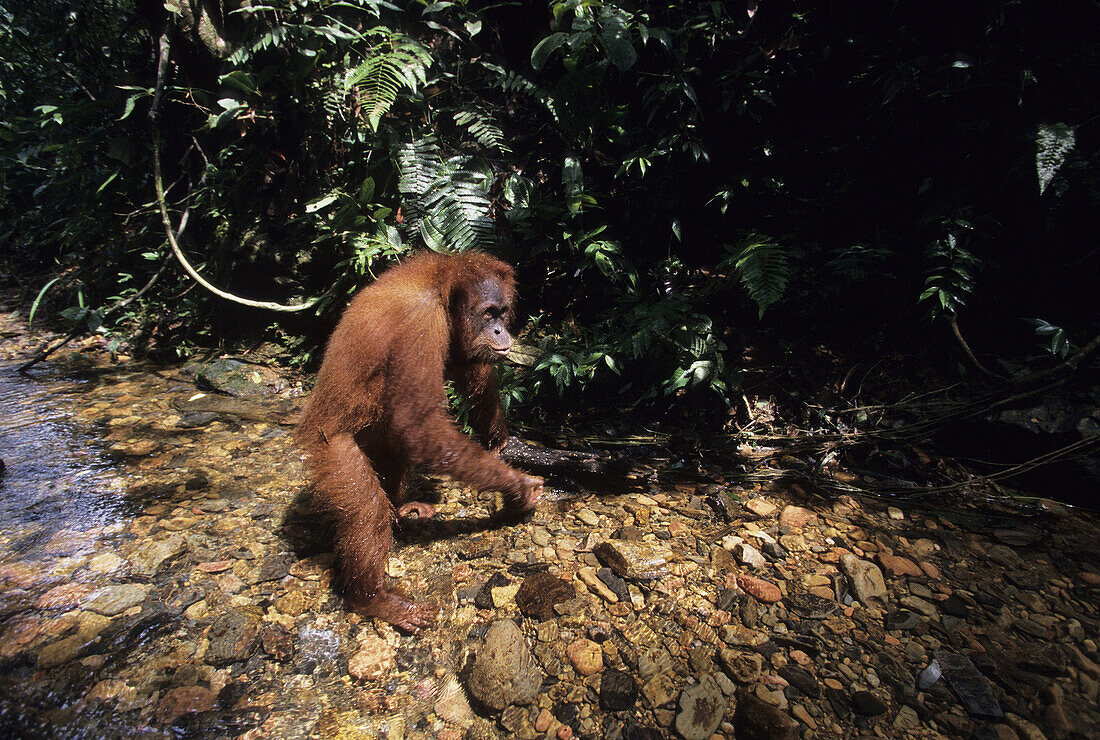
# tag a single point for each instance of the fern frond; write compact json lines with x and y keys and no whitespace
{"x":1053,"y":142}
{"x":482,"y":127}
{"x":764,"y":268}
{"x":268,"y":40}
{"x":446,"y":202}
{"x":456,"y":210}
{"x":511,"y":82}
{"x":418,"y":164}
{"x":396,"y":63}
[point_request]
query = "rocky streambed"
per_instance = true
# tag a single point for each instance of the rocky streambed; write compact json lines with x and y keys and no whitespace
{"x":162,"y":575}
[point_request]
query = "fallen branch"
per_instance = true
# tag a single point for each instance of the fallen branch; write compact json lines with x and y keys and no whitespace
{"x":602,"y":468}
{"x":1065,"y":368}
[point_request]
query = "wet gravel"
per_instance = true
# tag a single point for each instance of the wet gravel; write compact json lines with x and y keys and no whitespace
{"x":163,"y":575}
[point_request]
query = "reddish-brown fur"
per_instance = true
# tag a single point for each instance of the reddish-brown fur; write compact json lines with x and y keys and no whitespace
{"x":379,"y":406}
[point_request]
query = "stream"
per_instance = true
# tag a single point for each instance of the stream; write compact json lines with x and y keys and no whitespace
{"x":163,"y":575}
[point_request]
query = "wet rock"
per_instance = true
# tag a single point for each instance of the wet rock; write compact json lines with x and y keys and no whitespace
{"x":1054,"y":711}
{"x":867,"y":704}
{"x":735,"y":634}
{"x":111,"y":689}
{"x":1042,"y":658}
{"x":658,"y":690}
{"x":796,"y":517}
{"x":919,"y":605}
{"x":760,"y":507}
{"x":313,"y":567}
{"x":755,"y":719}
{"x":89,"y":627}
{"x":760,"y":589}
{"x":141,"y":448}
{"x":898,"y":565}
{"x":148,"y":558}
{"x":112,"y":600}
{"x":903,"y":620}
{"x":810,"y":605}
{"x":504,"y":671}
{"x":277,"y":642}
{"x":237,"y":378}
{"x":702,"y":707}
{"x":741,"y":666}
{"x":233,"y":636}
{"x":373,"y":660}
{"x":634,"y":561}
{"x":184,"y":699}
{"x":65,"y":596}
{"x":452,"y":705}
{"x":972,"y":688}
{"x":865,"y":579}
{"x":515,"y":720}
{"x":749,"y":555}
{"x":105,"y":563}
{"x":504,"y":595}
{"x":595,"y":585}
{"x":272,"y":568}
{"x":538,"y":594}
{"x":618,"y":691}
{"x":794,"y":543}
{"x":653,"y":661}
{"x":801,"y":679}
{"x":614,"y":583}
{"x":955,"y":607}
{"x":586,"y":657}
{"x":906,"y":720}
{"x":196,"y":419}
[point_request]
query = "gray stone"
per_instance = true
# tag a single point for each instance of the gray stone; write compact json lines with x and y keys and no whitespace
{"x":636,"y":561}
{"x":234,"y":636}
{"x":865,"y":579}
{"x":112,"y":600}
{"x":702,"y":707}
{"x":755,"y":719}
{"x":147,"y":560}
{"x":503,"y":672}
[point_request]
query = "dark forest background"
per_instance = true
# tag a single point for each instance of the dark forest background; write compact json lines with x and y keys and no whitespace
{"x":697,"y":196}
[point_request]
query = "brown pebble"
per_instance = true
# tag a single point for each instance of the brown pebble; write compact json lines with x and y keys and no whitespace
{"x":760,"y":589}
{"x":898,"y":565}
{"x":796,"y":516}
{"x":586,"y":657}
{"x":542,"y":722}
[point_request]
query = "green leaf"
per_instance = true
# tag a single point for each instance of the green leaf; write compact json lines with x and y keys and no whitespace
{"x":106,"y":182}
{"x":615,"y":36}
{"x":323,"y":202}
{"x":545,"y":48}
{"x":240,"y":80}
{"x":128,"y":108}
{"x":366,"y":190}
{"x":38,"y":299}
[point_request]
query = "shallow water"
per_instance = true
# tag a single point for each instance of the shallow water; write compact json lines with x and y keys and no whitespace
{"x":57,"y":475}
{"x":163,"y":575}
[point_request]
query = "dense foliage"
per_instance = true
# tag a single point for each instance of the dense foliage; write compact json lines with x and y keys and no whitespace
{"x":668,"y":177}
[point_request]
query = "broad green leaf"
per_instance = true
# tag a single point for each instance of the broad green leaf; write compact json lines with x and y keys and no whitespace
{"x":545,"y":48}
